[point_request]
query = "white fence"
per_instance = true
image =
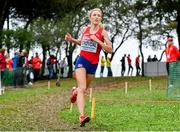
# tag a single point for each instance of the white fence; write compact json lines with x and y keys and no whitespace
{"x":155,"y":69}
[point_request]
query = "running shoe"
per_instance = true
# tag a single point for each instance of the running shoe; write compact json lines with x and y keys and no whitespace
{"x":73,"y":96}
{"x":84,"y":120}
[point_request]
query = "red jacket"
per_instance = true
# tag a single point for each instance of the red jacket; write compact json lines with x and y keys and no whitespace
{"x":129,"y":60}
{"x":2,"y":62}
{"x":172,"y":53}
{"x":36,"y":63}
{"x":137,"y":60}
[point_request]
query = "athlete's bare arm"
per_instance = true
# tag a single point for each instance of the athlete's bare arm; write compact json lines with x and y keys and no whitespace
{"x":106,"y":45}
{"x":69,"y":38}
{"x":107,"y":42}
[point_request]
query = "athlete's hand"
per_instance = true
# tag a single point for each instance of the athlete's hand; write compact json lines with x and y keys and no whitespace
{"x":68,"y":37}
{"x":93,"y":37}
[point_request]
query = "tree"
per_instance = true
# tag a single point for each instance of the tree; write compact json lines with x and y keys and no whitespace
{"x":168,"y":11}
{"x":42,"y":31}
{"x":19,"y":38}
{"x":118,"y":24}
{"x":7,"y":39}
{"x":23,"y":39}
{"x":29,"y":10}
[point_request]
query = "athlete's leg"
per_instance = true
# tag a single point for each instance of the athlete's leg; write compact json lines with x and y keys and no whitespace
{"x":89,"y":79}
{"x":82,"y":85}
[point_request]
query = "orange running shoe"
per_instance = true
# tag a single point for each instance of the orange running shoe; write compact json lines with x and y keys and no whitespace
{"x":73,"y":96}
{"x":84,"y":120}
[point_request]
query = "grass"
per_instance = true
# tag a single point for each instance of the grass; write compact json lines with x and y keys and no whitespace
{"x":112,"y":115}
{"x":25,"y":109}
{"x":40,"y":108}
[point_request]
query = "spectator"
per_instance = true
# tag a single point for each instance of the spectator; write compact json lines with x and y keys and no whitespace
{"x":30,"y":61}
{"x":63,"y":66}
{"x":26,"y":68}
{"x":15,"y":60}
{"x":149,"y":59}
{"x":9,"y":63}
{"x":123,"y":67}
{"x":172,"y":54}
{"x":129,"y":65}
{"x":8,"y":82}
{"x":36,"y":62}
{"x":137,"y":62}
{"x":19,"y":72}
{"x":50,"y":65}
{"x":30,"y":74}
{"x":109,"y":66}
{"x":154,"y":59}
{"x":103,"y":63}
{"x":2,"y":63}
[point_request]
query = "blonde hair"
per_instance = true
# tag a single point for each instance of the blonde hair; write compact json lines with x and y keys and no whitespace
{"x":95,"y":9}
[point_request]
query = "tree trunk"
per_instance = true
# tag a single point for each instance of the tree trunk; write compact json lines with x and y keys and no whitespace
{"x":69,"y":59}
{"x":140,"y":37}
{"x":4,"y":10}
{"x":142,"y":64}
{"x":21,"y":48}
{"x":161,"y":56}
{"x":178,"y":27}
{"x":43,"y":61}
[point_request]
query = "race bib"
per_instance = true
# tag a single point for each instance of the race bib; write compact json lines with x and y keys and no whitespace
{"x":88,"y":45}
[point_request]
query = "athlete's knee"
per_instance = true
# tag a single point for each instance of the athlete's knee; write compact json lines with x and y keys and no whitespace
{"x":81,"y":90}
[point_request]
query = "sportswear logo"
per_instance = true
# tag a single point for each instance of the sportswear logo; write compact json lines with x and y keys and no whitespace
{"x":97,"y":35}
{"x":80,"y":65}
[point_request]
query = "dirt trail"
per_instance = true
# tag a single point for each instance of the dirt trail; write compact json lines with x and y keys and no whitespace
{"x":43,"y":114}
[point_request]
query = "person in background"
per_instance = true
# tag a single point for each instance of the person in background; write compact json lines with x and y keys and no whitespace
{"x":172,"y":54}
{"x":8,"y":82}
{"x":15,"y":60}
{"x":103,"y":63}
{"x":9,"y":63}
{"x":30,"y":61}
{"x":26,"y":68}
{"x":123,"y":67}
{"x":63,"y":65}
{"x":94,"y":38}
{"x":2,"y":63}
{"x":50,"y":65}
{"x":30,"y":75}
{"x":137,"y":62}
{"x":19,"y":73}
{"x":108,"y":62}
{"x":36,"y":62}
{"x":149,"y":59}
{"x":154,"y":59}
{"x":130,"y":68}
